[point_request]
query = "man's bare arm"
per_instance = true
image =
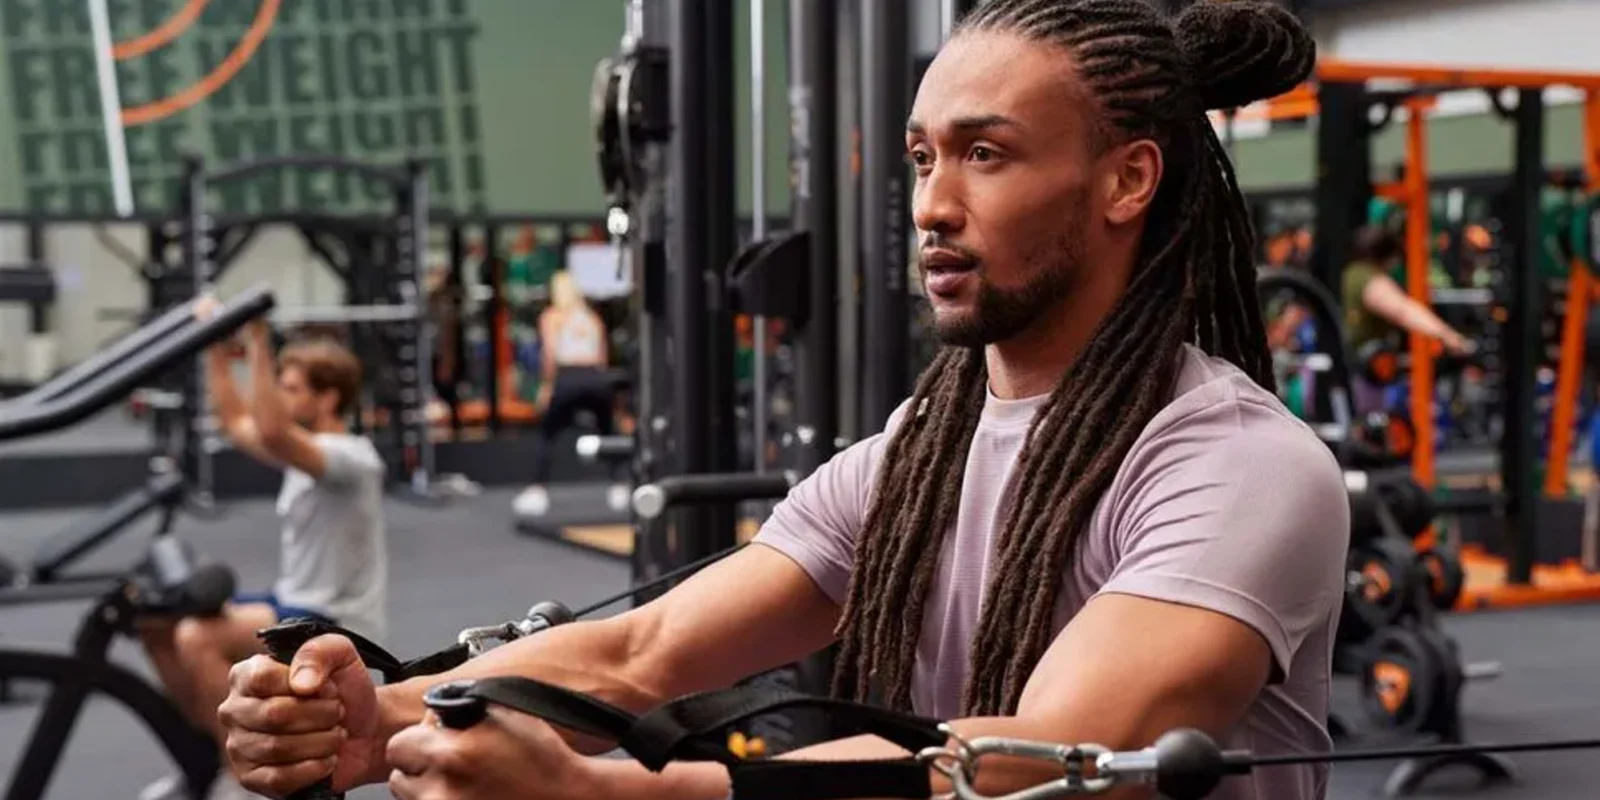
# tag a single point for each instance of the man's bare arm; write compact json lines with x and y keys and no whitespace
{"x":754,"y":611}
{"x":1123,"y":672}
{"x":232,"y":413}
{"x":282,"y":440}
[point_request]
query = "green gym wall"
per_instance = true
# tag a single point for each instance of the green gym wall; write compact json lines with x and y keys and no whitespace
{"x":495,"y":93}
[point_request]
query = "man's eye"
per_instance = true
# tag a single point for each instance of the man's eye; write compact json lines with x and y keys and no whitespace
{"x":981,"y":153}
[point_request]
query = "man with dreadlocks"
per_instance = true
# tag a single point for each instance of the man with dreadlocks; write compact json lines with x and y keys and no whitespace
{"x":1092,"y":522}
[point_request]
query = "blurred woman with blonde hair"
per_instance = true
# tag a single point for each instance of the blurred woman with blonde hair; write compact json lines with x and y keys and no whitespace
{"x":574,"y":360}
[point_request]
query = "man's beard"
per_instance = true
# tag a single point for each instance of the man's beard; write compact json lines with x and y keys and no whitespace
{"x":999,"y":314}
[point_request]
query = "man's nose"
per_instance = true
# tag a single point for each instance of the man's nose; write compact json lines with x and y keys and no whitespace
{"x":936,"y":203}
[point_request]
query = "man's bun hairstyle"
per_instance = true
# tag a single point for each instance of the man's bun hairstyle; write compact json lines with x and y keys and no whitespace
{"x":1241,"y":51}
{"x":1144,"y":75}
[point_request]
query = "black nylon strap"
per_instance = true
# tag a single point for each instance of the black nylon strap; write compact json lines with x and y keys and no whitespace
{"x":442,"y":661}
{"x":659,"y":736}
{"x":692,"y":729}
{"x":289,"y":635}
{"x":830,"y":780}
{"x":564,"y":707}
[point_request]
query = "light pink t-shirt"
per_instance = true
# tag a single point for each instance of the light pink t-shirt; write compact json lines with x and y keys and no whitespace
{"x":1226,"y":502}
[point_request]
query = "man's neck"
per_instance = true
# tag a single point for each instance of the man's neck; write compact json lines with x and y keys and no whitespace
{"x":330,"y":426}
{"x":1034,"y":361}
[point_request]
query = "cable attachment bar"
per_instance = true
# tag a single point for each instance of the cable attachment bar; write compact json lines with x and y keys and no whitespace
{"x":959,"y":762}
{"x":541,"y":617}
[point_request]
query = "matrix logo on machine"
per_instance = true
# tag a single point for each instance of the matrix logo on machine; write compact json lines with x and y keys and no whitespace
{"x":234,"y":80}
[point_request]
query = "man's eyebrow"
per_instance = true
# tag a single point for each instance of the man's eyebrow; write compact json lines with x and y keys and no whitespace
{"x":973,"y":124}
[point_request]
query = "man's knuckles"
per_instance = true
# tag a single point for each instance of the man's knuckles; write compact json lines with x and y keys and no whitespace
{"x":294,"y":715}
{"x":259,"y":749}
{"x":426,"y":749}
{"x":259,"y":676}
{"x":280,"y":781}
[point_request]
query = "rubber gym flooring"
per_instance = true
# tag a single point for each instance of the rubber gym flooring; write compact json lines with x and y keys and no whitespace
{"x":462,"y":565}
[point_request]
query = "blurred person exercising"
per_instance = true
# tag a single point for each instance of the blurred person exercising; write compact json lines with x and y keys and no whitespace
{"x":574,"y":374}
{"x":333,"y":560}
{"x":1377,"y":309}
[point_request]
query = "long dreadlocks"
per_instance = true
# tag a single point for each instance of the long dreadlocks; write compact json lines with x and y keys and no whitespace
{"x":1194,"y":282}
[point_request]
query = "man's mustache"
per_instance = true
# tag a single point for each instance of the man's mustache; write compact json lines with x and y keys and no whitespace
{"x":936,"y":242}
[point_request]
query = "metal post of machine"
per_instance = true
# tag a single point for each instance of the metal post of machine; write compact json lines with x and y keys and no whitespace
{"x":1344,"y":169}
{"x":847,"y":82}
{"x":416,"y":348}
{"x":201,"y":431}
{"x":491,"y":270}
{"x":950,"y":14}
{"x":813,"y":154}
{"x":885,"y":198}
{"x":721,"y":196}
{"x":759,"y":402}
{"x":699,"y":190}
{"x":1519,"y":447}
{"x":1342,"y":192}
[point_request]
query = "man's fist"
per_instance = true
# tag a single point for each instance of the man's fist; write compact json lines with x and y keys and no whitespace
{"x":206,"y":306}
{"x":289,"y":726}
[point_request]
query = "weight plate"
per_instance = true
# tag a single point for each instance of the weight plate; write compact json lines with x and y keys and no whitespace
{"x":1445,"y":576}
{"x":1445,"y":711}
{"x":1401,"y":679}
{"x":1364,"y":523}
{"x":1409,"y":504}
{"x":1381,"y":581}
{"x":1380,"y":365}
{"x":607,"y":127}
{"x":1400,"y":438}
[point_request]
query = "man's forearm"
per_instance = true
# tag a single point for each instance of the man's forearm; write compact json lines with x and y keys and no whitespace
{"x":589,"y":657}
{"x":225,"y":400}
{"x":271,"y":418}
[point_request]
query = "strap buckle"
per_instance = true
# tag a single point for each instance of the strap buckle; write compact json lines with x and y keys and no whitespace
{"x":540,"y":617}
{"x":958,"y":761}
{"x":474,"y":639}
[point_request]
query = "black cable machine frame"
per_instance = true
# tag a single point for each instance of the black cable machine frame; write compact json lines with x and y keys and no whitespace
{"x":407,"y":341}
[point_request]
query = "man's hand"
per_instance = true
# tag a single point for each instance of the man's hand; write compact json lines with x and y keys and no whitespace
{"x":289,"y":726}
{"x":1456,"y":344}
{"x":507,"y":756}
{"x":206,"y":306}
{"x":259,"y":332}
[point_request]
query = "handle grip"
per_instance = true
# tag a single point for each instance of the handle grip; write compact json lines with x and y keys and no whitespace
{"x":282,"y":642}
{"x":454,"y":706}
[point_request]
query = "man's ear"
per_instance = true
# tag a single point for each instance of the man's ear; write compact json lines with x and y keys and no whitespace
{"x":1133,"y":173}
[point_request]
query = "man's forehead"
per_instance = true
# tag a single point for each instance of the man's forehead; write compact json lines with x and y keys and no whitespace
{"x":983,"y":74}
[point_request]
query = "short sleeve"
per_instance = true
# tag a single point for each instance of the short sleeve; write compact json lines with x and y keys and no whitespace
{"x":1356,"y":277}
{"x":1238,"y":509}
{"x":347,"y":462}
{"x":817,"y":524}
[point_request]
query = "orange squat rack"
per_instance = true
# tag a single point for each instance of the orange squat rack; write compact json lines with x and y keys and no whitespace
{"x":1492,"y":581}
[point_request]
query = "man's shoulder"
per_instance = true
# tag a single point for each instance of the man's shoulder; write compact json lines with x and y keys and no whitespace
{"x":1216,"y":405}
{"x":352,"y":447}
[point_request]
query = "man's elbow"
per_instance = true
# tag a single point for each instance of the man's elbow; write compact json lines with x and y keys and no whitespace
{"x":275,"y":439}
{"x":641,"y":652}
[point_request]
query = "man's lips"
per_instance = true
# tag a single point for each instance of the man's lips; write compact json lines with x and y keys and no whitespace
{"x":946,"y":272}
{"x":946,"y":261}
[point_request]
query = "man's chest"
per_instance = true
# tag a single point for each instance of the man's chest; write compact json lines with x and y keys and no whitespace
{"x":970,"y":560}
